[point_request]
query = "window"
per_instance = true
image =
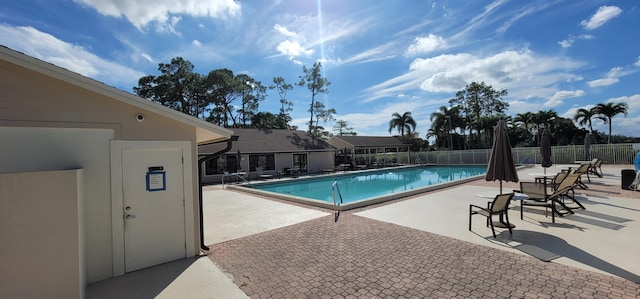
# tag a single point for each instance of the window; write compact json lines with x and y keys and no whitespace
{"x":228,"y":163}
{"x":300,"y":162}
{"x":266,"y":161}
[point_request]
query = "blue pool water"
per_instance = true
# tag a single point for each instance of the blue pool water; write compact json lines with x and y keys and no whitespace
{"x":359,"y":186}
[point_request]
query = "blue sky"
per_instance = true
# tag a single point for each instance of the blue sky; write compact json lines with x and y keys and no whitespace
{"x":381,"y":57}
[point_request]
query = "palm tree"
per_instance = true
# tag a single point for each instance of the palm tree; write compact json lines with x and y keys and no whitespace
{"x":404,"y":122}
{"x":487,"y":124}
{"x":439,"y":134}
{"x":446,"y":120}
{"x":546,"y":117}
{"x":609,"y":110}
{"x":584,"y":116}
{"x":526,"y":119}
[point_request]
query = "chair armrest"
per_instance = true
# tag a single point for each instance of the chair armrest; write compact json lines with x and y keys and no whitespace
{"x":479,"y":207}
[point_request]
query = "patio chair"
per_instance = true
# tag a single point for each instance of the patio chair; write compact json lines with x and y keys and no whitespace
{"x":557,"y":180}
{"x":538,"y":196}
{"x":499,"y":206}
{"x":596,"y":167}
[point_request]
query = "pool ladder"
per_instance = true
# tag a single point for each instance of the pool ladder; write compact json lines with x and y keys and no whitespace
{"x":238,"y":178}
{"x":336,"y":189}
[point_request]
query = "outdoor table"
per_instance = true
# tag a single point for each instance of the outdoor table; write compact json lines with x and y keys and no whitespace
{"x":492,"y":195}
{"x":543,"y":177}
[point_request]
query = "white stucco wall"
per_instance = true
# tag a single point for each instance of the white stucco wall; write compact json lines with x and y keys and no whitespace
{"x":44,"y":149}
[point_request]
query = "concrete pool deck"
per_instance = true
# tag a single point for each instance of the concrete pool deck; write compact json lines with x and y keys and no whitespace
{"x":418,"y":246}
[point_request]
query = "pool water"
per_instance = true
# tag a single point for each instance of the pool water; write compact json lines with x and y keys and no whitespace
{"x":358,"y":186}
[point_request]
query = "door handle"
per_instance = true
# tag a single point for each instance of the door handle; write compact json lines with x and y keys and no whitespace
{"x":129,"y":216}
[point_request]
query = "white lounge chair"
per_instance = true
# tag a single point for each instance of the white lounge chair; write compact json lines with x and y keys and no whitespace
{"x":262,"y":175}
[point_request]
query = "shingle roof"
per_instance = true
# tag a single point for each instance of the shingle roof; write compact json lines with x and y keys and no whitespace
{"x":272,"y":141}
{"x":370,"y":141}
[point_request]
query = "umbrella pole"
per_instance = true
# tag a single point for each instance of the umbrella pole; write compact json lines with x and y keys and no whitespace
{"x":500,"y":186}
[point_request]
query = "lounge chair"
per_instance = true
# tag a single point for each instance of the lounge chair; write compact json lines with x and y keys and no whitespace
{"x":583,"y":169}
{"x":634,"y":185}
{"x":539,"y":196}
{"x":557,"y":180}
{"x":261,"y":175}
{"x":596,"y":167}
{"x":499,"y":206}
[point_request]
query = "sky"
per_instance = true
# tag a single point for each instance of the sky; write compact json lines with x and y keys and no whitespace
{"x":381,"y":57}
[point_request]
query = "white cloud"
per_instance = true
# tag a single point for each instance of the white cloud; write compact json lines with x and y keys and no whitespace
{"x":571,"y":39}
{"x":313,"y":35}
{"x":556,"y":99}
{"x":169,"y":26}
{"x":522,"y":73}
{"x":196,"y":43}
{"x":566,"y":43}
{"x":603,"y":82}
{"x":142,"y":12}
{"x":565,"y":94}
{"x":376,"y":123}
{"x":603,"y":15}
{"x":294,"y":49}
{"x":426,"y":44}
{"x":375,"y":54}
{"x":291,"y":47}
{"x":633,"y":101}
{"x":75,"y":58}
{"x":284,"y":31}
{"x":147,"y":57}
{"x":522,"y":106}
{"x":613,"y":75}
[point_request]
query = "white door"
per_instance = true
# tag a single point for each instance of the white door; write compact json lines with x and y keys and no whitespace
{"x":153,"y":206}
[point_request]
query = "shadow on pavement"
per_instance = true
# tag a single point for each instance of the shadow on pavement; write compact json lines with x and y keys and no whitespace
{"x":145,"y":283}
{"x":547,"y":247}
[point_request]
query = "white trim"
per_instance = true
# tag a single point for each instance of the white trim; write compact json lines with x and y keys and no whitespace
{"x":117,"y":200}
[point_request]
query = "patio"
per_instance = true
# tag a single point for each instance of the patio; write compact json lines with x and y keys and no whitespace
{"x":413,"y":247}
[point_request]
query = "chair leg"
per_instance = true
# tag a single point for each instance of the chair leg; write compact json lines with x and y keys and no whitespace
{"x":573,"y":198}
{"x":492,"y":229}
{"x":506,"y":216}
{"x":470,"y":214}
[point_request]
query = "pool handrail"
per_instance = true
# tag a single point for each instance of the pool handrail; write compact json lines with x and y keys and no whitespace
{"x":241,"y":178}
{"x":335,"y":187}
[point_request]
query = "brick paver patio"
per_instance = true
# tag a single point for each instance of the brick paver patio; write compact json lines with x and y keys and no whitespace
{"x":358,"y":257}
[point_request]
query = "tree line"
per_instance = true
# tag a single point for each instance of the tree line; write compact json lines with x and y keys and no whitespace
{"x":233,"y":100}
{"x":474,"y":112}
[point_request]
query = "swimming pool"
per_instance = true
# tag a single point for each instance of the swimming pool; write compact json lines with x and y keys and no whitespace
{"x":367,"y":187}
